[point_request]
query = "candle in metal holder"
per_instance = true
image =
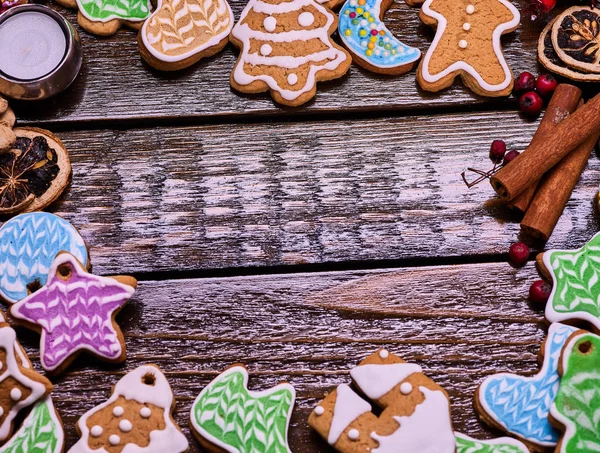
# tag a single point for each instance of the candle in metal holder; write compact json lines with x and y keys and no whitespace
{"x":40,"y":52}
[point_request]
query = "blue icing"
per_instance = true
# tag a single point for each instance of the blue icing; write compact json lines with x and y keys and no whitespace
{"x":522,"y":404}
{"x":356,"y":27}
{"x":28,"y":245}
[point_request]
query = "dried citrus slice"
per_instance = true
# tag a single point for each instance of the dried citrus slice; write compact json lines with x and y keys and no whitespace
{"x":576,"y":38}
{"x":34,"y":172}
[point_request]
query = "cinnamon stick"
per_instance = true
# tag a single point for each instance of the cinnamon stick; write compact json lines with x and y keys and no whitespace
{"x":555,"y":190}
{"x":544,"y":154}
{"x":563,"y":103}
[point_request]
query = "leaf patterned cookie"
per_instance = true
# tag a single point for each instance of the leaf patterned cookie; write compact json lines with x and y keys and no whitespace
{"x":466,"y":444}
{"x":229,"y":416}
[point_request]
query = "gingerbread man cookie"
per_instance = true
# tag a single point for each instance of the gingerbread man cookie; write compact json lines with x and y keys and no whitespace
{"x":136,"y":418}
{"x":467,"y":44}
{"x":414,"y":408}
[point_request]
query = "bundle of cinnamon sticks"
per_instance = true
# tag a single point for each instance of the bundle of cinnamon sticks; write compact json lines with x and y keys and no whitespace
{"x":539,"y":182}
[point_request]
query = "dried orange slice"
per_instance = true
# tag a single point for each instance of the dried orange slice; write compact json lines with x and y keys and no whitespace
{"x":576,"y":38}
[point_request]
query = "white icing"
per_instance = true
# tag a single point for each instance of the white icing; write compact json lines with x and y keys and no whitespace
{"x":319,"y":410}
{"x":377,"y":380}
{"x":292,"y":79}
{"x":114,"y":439}
{"x":270,"y":23}
{"x":406,"y":388}
{"x":266,"y":50}
{"x":96,"y":431}
{"x":145,"y":412}
{"x":125,"y":426}
{"x":462,"y":44}
{"x":118,"y":411}
{"x":306,"y":19}
{"x":384,"y":354}
{"x":348,"y":407}
{"x":462,"y":65}
{"x":15,"y":394}
{"x":427,"y":430}
{"x":466,"y":26}
{"x":353,"y":434}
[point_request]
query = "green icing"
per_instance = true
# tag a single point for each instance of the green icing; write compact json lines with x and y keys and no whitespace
{"x":41,"y":432}
{"x":466,"y":444}
{"x":105,"y":10}
{"x":577,"y":404}
{"x":241,"y":421}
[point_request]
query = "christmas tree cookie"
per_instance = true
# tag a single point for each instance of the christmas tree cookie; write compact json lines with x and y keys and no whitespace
{"x":226,"y":416}
{"x":75,"y":311}
{"x":136,"y":418}
{"x":576,"y":407}
{"x":286,"y":48}
{"x":415,"y":413}
{"x":467,"y":44}
{"x":466,"y":444}
{"x":520,"y":405}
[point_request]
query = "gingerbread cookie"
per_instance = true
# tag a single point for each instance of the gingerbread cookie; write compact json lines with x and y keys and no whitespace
{"x":369,"y":41}
{"x":7,"y":122}
{"x":105,"y":17}
{"x":575,"y":293}
{"x":413,"y":406}
{"x":28,"y":245}
{"x":467,"y":44}
{"x":286,"y":48}
{"x":575,"y":37}
{"x":466,"y":444}
{"x":75,"y":311}
{"x":136,"y":418}
{"x":226,"y":416}
{"x":520,"y":405}
{"x":181,"y":32}
{"x":575,"y":409}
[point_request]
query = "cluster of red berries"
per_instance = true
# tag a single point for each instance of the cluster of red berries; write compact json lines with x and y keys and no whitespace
{"x":498,"y":153}
{"x":539,"y":291}
{"x":532,"y":91}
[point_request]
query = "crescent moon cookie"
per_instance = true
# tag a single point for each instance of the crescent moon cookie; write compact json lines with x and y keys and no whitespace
{"x":286,"y":48}
{"x":413,"y":408}
{"x":75,"y":311}
{"x":181,"y":32}
{"x":467,"y":44}
{"x":136,"y":418}
{"x":520,"y":405}
{"x":369,"y":41}
{"x":256,"y":421}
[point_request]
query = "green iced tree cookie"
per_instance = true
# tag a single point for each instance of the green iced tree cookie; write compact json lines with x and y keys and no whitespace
{"x":105,"y":10}
{"x":466,"y":444}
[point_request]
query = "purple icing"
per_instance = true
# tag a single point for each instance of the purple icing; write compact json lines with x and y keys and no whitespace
{"x":74,"y":314}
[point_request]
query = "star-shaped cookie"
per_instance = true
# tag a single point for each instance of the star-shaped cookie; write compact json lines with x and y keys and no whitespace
{"x":75,"y":311}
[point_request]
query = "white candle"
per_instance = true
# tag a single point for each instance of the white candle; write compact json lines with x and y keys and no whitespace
{"x":32,"y":45}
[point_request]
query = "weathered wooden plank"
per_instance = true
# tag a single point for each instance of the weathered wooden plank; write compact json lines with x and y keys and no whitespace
{"x":209,"y":197}
{"x":115,"y":83}
{"x":461,"y":323}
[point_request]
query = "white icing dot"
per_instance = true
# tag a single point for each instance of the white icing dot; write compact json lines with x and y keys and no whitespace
{"x":363,"y":43}
{"x":145,"y":412}
{"x":353,"y":2}
{"x":406,"y":388}
{"x":292,"y":79}
{"x":114,"y":439}
{"x":125,"y":426}
{"x":373,"y":26}
{"x":1,"y":411}
{"x":462,"y":44}
{"x":353,"y":434}
{"x":377,"y":51}
{"x":118,"y":411}
{"x":384,"y":354}
{"x":270,"y":23}
{"x":306,"y":19}
{"x":470,"y":9}
{"x":363,"y":23}
{"x":96,"y":431}
{"x":386,"y":54}
{"x":386,"y":39}
{"x":15,"y":394}
{"x":266,"y":49}
{"x":319,"y":410}
{"x":466,"y":26}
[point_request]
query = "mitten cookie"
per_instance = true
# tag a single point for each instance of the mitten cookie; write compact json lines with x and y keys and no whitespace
{"x":467,"y":44}
{"x":181,"y":32}
{"x":286,"y":48}
{"x":466,"y":444}
{"x":520,"y":405}
{"x":136,"y":418}
{"x":415,"y":416}
{"x":575,"y":409}
{"x":28,"y":245}
{"x":75,"y":311}
{"x":226,"y":416}
{"x":105,"y":17}
{"x":369,"y":41}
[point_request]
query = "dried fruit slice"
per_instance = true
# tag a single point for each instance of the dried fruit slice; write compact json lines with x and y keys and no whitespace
{"x":576,"y":38}
{"x":34,"y":172}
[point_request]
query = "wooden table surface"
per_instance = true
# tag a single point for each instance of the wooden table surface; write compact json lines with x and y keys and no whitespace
{"x":298,"y":241}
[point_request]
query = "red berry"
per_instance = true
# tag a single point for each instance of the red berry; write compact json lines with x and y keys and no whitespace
{"x":497,"y":151}
{"x":531,"y":103}
{"x":519,"y":254}
{"x":524,"y":82}
{"x":539,"y":292}
{"x":510,"y":156}
{"x":545,"y":85}
{"x":547,"y":5}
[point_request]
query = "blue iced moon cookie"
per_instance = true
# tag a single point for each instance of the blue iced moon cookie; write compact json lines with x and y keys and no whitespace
{"x":371,"y":44}
{"x":28,"y":245}
{"x":520,"y":405}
